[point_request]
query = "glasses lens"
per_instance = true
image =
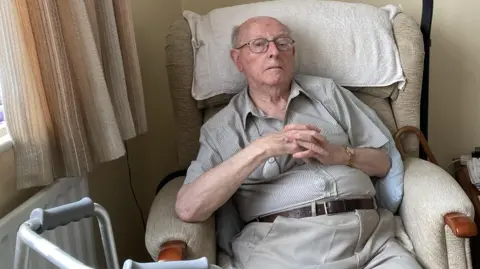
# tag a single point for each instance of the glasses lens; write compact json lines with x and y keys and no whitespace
{"x":284,"y":43}
{"x":259,"y":45}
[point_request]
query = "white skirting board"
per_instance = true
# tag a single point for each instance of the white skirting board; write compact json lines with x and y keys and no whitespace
{"x":76,"y":238}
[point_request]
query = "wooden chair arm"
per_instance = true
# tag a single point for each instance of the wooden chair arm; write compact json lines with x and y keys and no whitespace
{"x":421,"y":138}
{"x":172,"y":251}
{"x":460,"y":224}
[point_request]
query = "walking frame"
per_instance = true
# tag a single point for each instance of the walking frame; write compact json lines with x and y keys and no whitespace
{"x":28,"y":236}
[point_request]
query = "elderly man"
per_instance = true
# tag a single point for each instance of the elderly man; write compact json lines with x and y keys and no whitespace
{"x":297,"y":163}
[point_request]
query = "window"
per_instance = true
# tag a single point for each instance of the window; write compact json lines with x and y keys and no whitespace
{"x":5,"y":140}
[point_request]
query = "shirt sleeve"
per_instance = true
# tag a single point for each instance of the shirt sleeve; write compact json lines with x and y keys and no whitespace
{"x":208,"y":157}
{"x":365,"y":129}
{"x":358,"y":120}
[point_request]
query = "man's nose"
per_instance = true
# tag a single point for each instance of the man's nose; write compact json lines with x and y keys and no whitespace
{"x":272,"y":49}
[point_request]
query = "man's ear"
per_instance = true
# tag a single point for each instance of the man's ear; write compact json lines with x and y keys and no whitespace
{"x":235,"y":54}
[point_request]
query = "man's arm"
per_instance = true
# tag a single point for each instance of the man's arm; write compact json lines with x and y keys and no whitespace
{"x":197,"y":200}
{"x":373,"y":162}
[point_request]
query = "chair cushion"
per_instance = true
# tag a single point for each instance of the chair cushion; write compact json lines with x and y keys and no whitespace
{"x":339,"y":31}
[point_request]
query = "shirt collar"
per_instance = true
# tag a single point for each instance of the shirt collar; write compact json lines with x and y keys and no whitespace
{"x":250,"y":108}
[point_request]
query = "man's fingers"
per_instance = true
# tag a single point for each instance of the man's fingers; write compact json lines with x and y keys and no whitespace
{"x":301,"y":127}
{"x":306,"y":155}
{"x":313,"y":127}
{"x":295,"y":127}
{"x":313,"y":147}
{"x":308,"y":136}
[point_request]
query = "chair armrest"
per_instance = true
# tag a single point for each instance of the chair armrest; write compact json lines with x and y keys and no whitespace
{"x":461,"y":225}
{"x":430,"y":195}
{"x":166,"y":232}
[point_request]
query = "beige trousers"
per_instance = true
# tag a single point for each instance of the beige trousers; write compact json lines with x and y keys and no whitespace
{"x":361,"y":239}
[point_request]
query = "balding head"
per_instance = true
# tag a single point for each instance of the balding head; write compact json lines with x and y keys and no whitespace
{"x":238,"y":31}
{"x":263,"y":51}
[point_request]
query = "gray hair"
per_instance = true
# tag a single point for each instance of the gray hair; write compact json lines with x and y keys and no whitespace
{"x":236,"y":33}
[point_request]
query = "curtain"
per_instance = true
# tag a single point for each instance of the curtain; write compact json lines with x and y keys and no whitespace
{"x":71,"y":83}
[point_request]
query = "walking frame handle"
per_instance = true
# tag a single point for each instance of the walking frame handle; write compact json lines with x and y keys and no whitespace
{"x":62,"y":215}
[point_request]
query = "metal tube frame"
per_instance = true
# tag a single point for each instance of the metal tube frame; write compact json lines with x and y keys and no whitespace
{"x":27,"y":237}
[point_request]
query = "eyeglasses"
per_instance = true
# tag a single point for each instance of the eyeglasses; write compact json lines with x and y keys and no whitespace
{"x":260,"y":45}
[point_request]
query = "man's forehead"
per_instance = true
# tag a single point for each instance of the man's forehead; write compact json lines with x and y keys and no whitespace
{"x":263,"y":25}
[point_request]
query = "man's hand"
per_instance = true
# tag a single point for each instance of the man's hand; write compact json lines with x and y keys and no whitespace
{"x":372,"y":161}
{"x":314,"y":145}
{"x":277,"y":144}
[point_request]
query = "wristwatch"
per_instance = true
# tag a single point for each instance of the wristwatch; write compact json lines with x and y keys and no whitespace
{"x":351,"y":155}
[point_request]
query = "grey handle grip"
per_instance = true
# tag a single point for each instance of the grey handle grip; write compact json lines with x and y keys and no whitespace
{"x":201,"y":263}
{"x":62,"y":215}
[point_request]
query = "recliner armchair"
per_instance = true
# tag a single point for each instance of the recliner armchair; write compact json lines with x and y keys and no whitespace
{"x":435,"y":219}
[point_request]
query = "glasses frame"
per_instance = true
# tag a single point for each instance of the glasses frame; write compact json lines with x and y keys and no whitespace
{"x":268,"y":44}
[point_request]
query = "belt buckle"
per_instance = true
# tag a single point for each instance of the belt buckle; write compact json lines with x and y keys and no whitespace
{"x":326,"y":207}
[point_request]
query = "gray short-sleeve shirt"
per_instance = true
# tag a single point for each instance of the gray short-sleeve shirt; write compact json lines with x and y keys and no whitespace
{"x":283,"y":182}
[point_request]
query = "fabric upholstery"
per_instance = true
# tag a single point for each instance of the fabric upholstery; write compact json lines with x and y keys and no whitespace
{"x":430,"y":193}
{"x":163,"y":225}
{"x":406,"y":107}
{"x":458,"y":251}
{"x":380,"y":92}
{"x":189,"y":119}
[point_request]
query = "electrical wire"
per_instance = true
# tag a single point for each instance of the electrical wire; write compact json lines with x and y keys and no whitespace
{"x":131,"y":187}
{"x":450,"y":165}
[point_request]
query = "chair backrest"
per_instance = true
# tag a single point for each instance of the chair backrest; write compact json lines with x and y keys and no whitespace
{"x":396,"y":108}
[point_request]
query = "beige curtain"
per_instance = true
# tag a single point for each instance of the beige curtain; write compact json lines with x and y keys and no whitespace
{"x":71,"y":85}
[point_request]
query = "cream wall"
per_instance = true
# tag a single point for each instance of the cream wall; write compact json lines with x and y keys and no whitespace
{"x":204,"y":6}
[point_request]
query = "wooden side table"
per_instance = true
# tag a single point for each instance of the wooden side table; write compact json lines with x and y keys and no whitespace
{"x":463,"y":178}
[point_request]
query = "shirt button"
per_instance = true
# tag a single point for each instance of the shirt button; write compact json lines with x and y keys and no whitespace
{"x":271,"y":160}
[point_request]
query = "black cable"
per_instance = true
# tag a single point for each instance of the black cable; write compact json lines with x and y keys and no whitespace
{"x":426,"y":28}
{"x":131,"y":187}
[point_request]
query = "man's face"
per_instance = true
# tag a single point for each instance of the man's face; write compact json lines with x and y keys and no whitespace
{"x":272,"y":67}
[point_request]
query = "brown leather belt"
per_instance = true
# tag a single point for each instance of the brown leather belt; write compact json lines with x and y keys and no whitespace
{"x":327,"y":208}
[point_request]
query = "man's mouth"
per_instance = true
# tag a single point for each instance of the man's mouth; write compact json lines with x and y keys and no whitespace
{"x":274,"y":67}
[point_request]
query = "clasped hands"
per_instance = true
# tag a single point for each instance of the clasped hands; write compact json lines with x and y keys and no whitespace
{"x":303,"y":142}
